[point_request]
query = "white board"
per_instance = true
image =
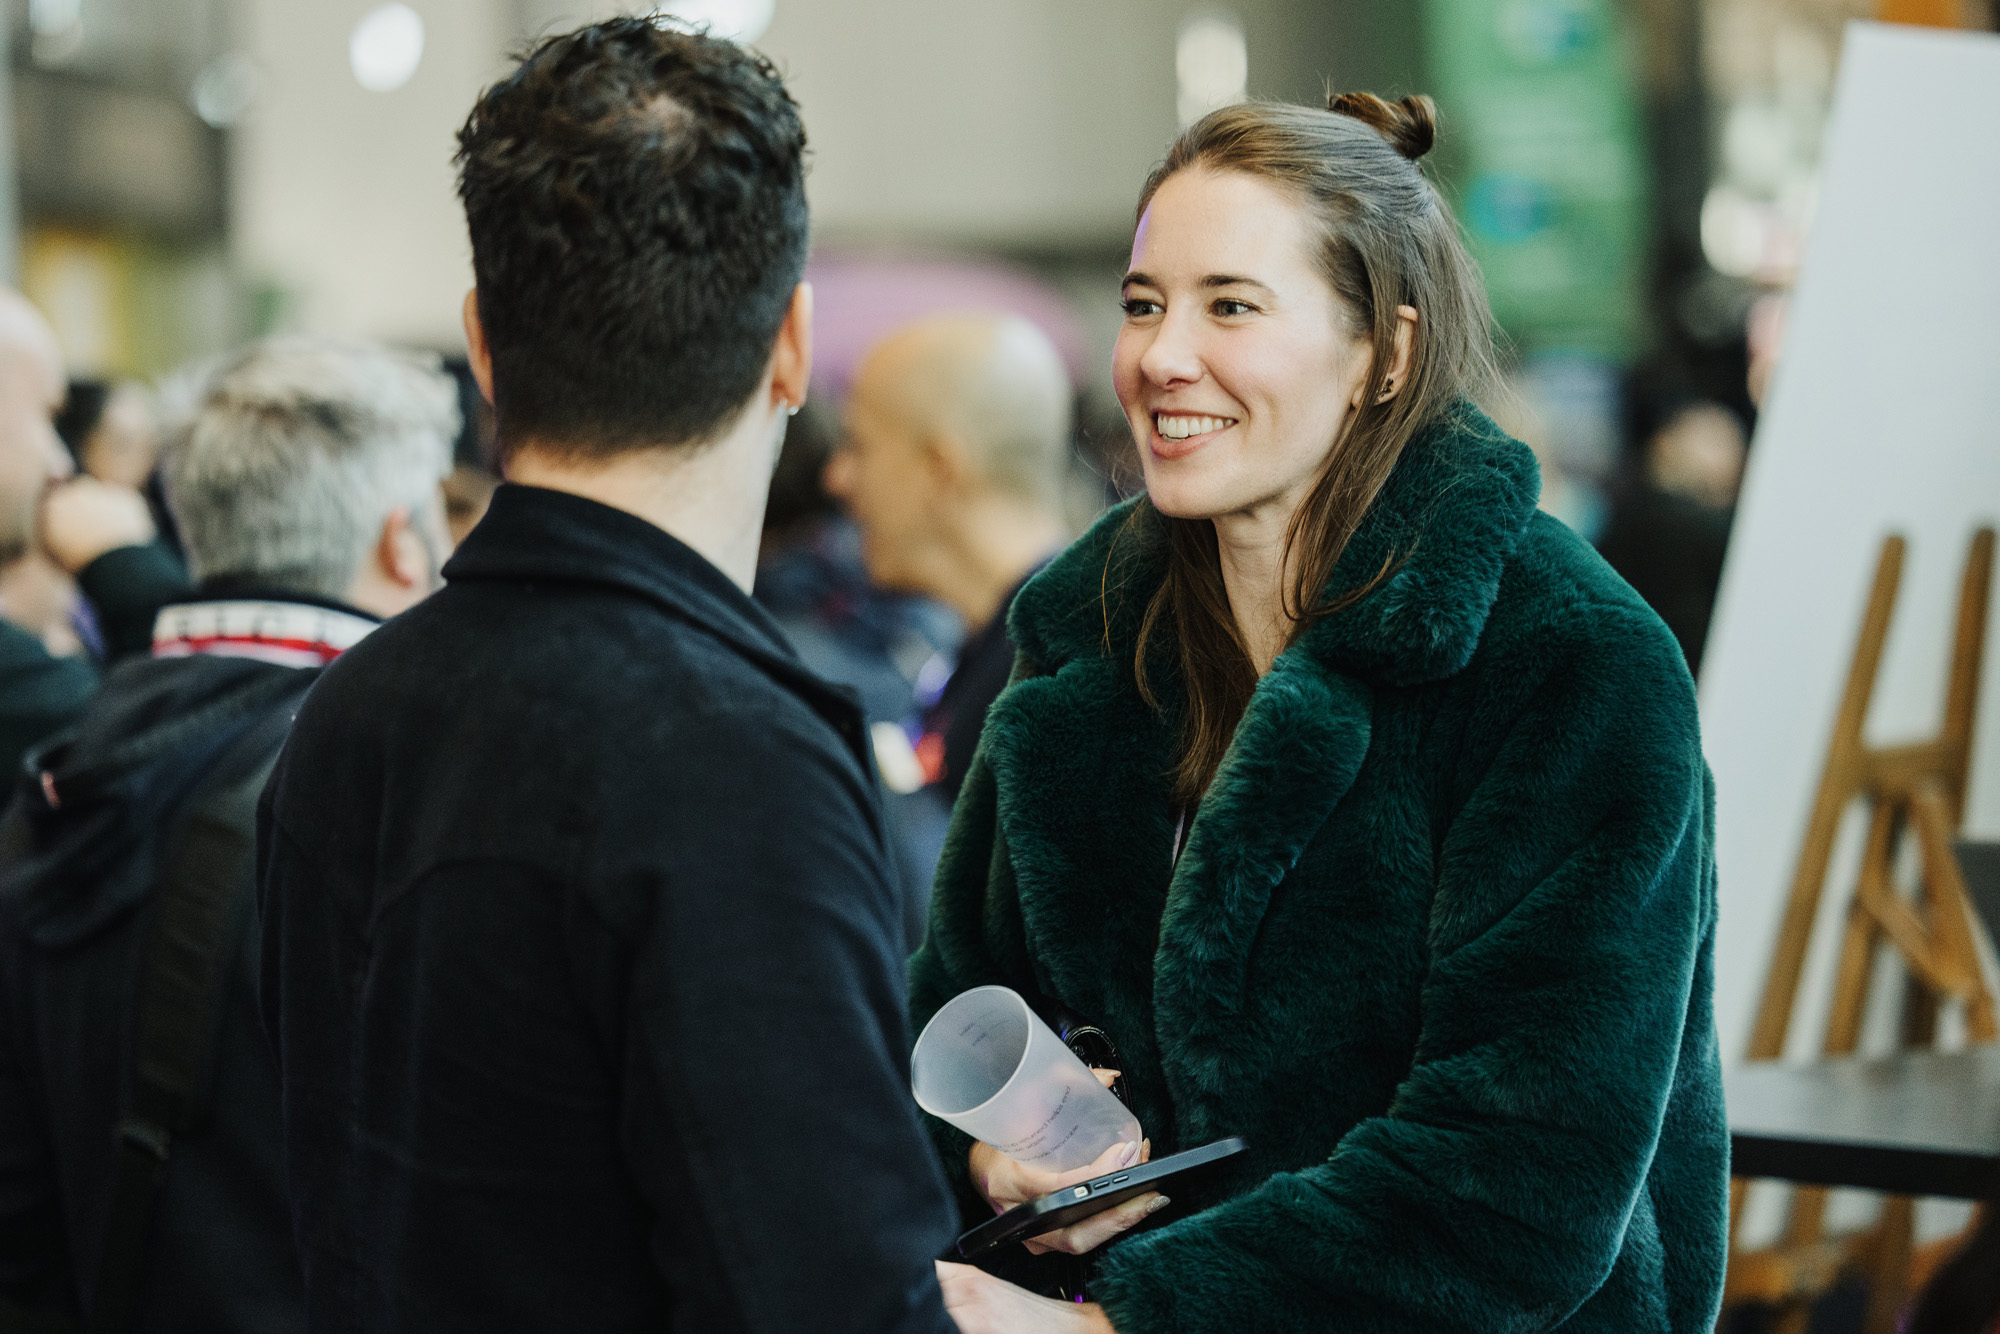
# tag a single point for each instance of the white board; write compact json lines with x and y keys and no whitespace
{"x":1884,"y":416}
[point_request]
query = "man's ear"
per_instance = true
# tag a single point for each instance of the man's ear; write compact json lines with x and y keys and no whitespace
{"x":792,"y":355}
{"x":476,"y":352}
{"x":946,"y":461}
{"x":401,"y":553}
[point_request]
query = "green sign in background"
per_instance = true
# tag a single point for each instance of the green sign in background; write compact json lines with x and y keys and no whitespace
{"x":1542,"y":153}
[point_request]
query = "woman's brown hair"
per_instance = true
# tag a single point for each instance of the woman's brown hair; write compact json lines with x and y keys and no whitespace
{"x":1386,"y":239}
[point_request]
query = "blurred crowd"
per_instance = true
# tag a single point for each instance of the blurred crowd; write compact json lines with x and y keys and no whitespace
{"x":901,"y":519}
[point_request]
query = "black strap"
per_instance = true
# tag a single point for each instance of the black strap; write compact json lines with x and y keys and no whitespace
{"x":198,"y":921}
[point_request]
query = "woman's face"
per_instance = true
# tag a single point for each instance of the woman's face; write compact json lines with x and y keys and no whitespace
{"x":1236,"y":365}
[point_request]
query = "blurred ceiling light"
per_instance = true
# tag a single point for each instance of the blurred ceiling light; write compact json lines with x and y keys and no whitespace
{"x":224,"y":89}
{"x":386,"y":47}
{"x":735,"y":20}
{"x":1212,"y":63}
{"x":51,"y":16}
{"x":57,"y":26}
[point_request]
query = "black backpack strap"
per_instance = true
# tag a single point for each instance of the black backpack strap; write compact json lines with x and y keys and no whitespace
{"x":198,"y":921}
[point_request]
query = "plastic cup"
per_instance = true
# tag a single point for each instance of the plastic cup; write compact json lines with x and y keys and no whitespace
{"x":988,"y":1065}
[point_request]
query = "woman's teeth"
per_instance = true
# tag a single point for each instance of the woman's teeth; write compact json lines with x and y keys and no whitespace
{"x":1180,"y":428}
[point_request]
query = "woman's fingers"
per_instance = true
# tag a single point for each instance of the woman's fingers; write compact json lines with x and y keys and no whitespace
{"x":1113,"y":1158}
{"x":1106,"y":1077}
{"x":1094,"y":1231}
{"x":982,"y":1304}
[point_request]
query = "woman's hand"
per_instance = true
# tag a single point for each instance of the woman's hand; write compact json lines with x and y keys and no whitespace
{"x":1005,"y":1183}
{"x":983,"y":1304}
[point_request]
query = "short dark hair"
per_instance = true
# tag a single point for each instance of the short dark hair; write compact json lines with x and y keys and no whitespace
{"x":635,"y":194}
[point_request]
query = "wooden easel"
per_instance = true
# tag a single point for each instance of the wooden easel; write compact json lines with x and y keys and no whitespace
{"x":1914,"y":789}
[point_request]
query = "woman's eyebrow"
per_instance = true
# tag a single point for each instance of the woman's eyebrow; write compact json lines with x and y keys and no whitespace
{"x":1233,"y":280}
{"x":1143,"y":279}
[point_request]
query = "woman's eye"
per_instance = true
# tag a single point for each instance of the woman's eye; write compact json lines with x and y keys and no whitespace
{"x":1136,"y":307}
{"x":1227,"y":307}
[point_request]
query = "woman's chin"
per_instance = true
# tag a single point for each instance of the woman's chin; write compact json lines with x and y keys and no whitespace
{"x":1177,"y":500}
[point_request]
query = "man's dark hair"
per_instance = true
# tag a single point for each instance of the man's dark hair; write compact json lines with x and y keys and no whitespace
{"x":635,"y":194}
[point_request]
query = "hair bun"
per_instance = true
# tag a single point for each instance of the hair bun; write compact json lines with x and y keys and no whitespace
{"x":1408,"y":123}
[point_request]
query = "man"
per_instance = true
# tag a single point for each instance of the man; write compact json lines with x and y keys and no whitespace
{"x":958,"y":447}
{"x":581,"y":952}
{"x":307,"y":491}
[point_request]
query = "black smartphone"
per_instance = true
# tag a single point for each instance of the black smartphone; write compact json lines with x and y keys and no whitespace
{"x":1073,"y":1204}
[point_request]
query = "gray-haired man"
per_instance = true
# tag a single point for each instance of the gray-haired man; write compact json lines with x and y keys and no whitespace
{"x":306,"y":490}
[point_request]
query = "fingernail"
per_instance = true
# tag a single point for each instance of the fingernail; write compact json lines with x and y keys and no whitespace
{"x":1131,"y":1152}
{"x":1158,"y":1205}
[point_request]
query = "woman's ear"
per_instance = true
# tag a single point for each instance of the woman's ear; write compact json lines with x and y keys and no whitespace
{"x":1406,"y":348}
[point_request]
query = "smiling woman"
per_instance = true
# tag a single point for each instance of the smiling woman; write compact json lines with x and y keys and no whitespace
{"x":1274,"y":366}
{"x":1360,"y":804}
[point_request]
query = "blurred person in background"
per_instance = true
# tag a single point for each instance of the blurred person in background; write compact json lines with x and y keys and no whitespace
{"x":583,"y":957}
{"x":40,"y":691}
{"x":1669,"y":532}
{"x":1358,"y":802}
{"x":957,"y":454}
{"x":111,"y":431}
{"x":887,"y":646}
{"x":141,"y":1172}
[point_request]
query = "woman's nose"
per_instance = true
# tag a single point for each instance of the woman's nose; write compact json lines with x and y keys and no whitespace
{"x":1172,"y":357}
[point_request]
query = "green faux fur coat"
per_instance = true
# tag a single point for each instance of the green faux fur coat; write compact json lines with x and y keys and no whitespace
{"x":1438,"y":946}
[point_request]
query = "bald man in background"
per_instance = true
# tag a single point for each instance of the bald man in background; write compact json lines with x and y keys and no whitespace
{"x":954,"y":466}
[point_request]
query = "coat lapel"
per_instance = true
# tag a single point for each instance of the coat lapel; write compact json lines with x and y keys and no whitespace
{"x":1079,"y":764}
{"x":1296,"y":753}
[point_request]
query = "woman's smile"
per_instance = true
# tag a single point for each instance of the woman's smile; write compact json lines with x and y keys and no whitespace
{"x":1179,"y":434}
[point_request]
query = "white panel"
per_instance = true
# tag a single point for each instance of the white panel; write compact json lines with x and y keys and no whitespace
{"x":1884,"y":417}
{"x":345,"y":196}
{"x":1024,"y":122}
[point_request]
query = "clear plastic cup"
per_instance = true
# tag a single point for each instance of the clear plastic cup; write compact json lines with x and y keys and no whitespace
{"x":988,"y":1065}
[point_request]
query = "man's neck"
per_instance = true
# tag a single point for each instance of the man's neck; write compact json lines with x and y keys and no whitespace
{"x":1000,"y":541}
{"x":709,"y":495}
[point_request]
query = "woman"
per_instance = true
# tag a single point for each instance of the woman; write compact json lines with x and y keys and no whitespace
{"x":1361,"y":805}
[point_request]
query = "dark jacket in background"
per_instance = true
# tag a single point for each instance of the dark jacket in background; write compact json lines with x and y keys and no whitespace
{"x":1670,"y":549}
{"x":75,"y":906}
{"x":40,"y":694}
{"x":583,"y":958}
{"x":985,"y":661}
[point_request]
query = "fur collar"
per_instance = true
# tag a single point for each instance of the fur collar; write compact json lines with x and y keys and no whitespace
{"x":1080,"y":762}
{"x":1451,"y":514}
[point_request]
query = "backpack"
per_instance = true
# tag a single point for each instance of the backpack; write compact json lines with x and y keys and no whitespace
{"x":200,"y":909}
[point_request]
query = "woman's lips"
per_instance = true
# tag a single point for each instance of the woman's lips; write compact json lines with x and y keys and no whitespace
{"x":1168,"y":447}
